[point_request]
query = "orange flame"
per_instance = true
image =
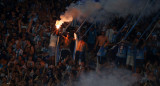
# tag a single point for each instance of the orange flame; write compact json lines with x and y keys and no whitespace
{"x":59,"y":23}
{"x":64,"y":18}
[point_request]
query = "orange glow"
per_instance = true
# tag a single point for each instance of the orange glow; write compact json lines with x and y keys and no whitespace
{"x":58,"y":26}
{"x":63,"y":18}
{"x":59,"y":23}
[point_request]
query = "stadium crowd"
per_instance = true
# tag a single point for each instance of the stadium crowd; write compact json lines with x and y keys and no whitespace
{"x":28,"y":46}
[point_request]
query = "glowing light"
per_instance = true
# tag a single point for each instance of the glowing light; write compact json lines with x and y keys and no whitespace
{"x":63,"y":18}
{"x":58,"y":26}
{"x":59,"y":23}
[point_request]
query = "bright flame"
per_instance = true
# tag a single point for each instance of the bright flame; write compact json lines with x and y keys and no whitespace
{"x":64,"y":18}
{"x":59,"y":23}
{"x":58,"y":26}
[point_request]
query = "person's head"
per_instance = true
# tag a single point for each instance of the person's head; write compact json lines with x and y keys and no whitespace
{"x":138,"y":34}
{"x":30,"y":58}
{"x":39,"y":59}
{"x":67,"y":35}
{"x":24,"y":29}
{"x":4,"y":79}
{"x":108,"y":26}
{"x":154,"y":36}
{"x":23,"y":37}
{"x":20,"y":58}
{"x":12,"y":59}
{"x":59,"y":64}
{"x":3,"y":16}
{"x":28,"y":42}
{"x":13,"y":54}
{"x":1,"y":42}
{"x":92,"y":29}
{"x":23,"y":11}
{"x":114,"y":28}
{"x":103,"y":33}
{"x":151,"y":73}
{"x":9,"y":50}
{"x":18,"y":46}
{"x":24,"y":54}
{"x":22,"y":62}
{"x":135,"y":41}
{"x":13,"y":13}
{"x":39,"y":43}
{"x":14,"y":35}
{"x":1,"y":25}
{"x":82,"y":64}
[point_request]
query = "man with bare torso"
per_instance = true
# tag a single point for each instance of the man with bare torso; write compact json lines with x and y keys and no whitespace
{"x":102,"y":40}
{"x":101,"y":43}
{"x":65,"y":48}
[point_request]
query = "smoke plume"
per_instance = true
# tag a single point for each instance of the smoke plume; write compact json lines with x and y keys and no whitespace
{"x":106,"y":9}
{"x":111,"y":77}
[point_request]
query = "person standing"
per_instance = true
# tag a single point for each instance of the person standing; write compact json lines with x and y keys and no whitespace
{"x":65,"y":48}
{"x":102,"y":40}
{"x":121,"y":54}
{"x":52,"y":45}
{"x":110,"y":34}
{"x":101,"y":43}
{"x":131,"y":54}
{"x":140,"y":54}
{"x":80,"y":51}
{"x":92,"y":34}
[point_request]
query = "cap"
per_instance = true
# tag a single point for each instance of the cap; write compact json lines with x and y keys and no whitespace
{"x":138,"y":33}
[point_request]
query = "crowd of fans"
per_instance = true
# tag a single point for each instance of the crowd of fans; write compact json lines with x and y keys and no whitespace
{"x":29,"y":40}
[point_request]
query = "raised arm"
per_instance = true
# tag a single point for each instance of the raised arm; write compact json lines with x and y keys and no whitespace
{"x":97,"y":41}
{"x":19,"y":25}
{"x":107,"y":42}
{"x":30,"y":25}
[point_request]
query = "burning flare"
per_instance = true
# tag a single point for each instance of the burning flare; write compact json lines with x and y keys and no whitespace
{"x":59,"y":23}
{"x":67,"y":17}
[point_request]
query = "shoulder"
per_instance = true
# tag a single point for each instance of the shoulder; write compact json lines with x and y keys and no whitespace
{"x":99,"y":37}
{"x":106,"y":37}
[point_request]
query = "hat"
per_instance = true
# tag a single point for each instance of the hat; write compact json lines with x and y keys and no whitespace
{"x":138,"y":33}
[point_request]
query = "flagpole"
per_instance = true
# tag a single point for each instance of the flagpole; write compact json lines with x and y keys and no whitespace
{"x":81,"y":25}
{"x":68,"y":26}
{"x":152,"y":31}
{"x":76,"y":41}
{"x":139,"y":18}
{"x":153,"y":20}
{"x":87,"y":30}
{"x":123,"y":26}
{"x":56,"y":52}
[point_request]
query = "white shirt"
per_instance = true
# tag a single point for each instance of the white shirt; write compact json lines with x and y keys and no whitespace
{"x":53,"y":40}
{"x":110,"y":35}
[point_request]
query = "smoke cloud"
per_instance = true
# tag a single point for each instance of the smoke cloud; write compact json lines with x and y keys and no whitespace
{"x":104,"y":10}
{"x":110,"y":77}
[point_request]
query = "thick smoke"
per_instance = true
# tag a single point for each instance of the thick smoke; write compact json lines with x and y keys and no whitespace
{"x":111,"y":77}
{"x":106,"y":9}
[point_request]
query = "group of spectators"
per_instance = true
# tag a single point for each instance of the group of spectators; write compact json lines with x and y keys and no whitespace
{"x":34,"y":53}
